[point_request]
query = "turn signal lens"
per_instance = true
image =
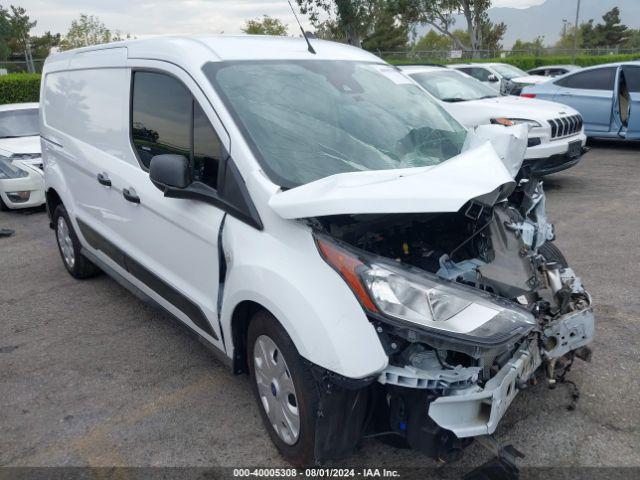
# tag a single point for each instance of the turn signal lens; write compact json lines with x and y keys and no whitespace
{"x":528,"y":95}
{"x":347,"y":265}
{"x":502,"y":121}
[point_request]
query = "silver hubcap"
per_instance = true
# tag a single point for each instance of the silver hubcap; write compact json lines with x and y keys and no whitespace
{"x":276,"y":389}
{"x":65,"y":243}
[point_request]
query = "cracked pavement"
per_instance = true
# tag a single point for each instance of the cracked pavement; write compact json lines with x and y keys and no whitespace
{"x":91,"y":376}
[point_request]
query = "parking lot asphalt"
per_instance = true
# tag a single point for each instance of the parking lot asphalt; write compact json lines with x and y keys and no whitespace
{"x":91,"y":376}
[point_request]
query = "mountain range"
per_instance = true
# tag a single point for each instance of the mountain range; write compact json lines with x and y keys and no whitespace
{"x":546,"y":19}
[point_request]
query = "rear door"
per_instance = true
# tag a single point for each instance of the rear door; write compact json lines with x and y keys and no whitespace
{"x":590,"y":93}
{"x":632,"y":79}
{"x":169,"y":245}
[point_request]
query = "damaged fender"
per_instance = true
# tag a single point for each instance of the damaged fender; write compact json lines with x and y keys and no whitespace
{"x":279,"y":281}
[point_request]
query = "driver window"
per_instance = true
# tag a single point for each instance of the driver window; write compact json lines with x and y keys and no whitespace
{"x":165,"y":118}
{"x":480,"y":74}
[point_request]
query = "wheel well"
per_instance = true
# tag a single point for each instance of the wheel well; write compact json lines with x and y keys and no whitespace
{"x":240,"y":319}
{"x":53,"y":200}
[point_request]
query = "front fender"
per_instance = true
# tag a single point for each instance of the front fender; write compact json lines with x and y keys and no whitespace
{"x":314,"y":305}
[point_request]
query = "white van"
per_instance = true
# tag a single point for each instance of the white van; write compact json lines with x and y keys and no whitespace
{"x":323,"y":224}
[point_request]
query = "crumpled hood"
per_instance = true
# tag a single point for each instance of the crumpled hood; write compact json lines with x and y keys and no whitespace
{"x":20,"y":145}
{"x":531,"y":79}
{"x":441,"y":188}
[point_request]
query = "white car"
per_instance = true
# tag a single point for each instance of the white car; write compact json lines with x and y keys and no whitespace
{"x":550,"y":148}
{"x":21,"y":176}
{"x":502,"y":77}
{"x":322,"y":224}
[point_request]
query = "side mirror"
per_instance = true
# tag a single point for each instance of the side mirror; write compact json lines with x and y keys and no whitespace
{"x":170,"y":170}
{"x":492,"y":78}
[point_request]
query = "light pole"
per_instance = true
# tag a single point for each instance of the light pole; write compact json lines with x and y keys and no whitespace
{"x":575,"y":33}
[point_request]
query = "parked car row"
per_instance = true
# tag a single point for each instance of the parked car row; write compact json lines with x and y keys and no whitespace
{"x":607,"y":97}
{"x":326,"y":225}
{"x":473,"y":103}
{"x":21,"y":176}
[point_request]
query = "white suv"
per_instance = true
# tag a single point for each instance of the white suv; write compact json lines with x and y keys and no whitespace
{"x":320,"y":222}
{"x":556,"y":133}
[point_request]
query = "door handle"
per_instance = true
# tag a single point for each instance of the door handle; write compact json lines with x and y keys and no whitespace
{"x":104,"y":179}
{"x":130,"y":195}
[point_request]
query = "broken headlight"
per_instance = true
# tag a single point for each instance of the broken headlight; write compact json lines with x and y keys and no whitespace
{"x":412,"y":296}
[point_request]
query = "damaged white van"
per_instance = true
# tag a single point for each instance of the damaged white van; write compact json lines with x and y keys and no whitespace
{"x":322,"y":223}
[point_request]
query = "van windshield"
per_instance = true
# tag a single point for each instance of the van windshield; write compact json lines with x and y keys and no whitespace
{"x":309,"y":119}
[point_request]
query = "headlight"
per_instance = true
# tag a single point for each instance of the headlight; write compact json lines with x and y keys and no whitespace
{"x":8,"y":170}
{"x":509,"y":122}
{"x":416,"y":297}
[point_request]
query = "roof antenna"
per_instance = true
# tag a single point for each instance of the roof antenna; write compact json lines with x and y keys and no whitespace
{"x":311,"y":50}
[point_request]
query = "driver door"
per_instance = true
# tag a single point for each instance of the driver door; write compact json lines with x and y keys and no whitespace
{"x":631,"y":101}
{"x":170,"y":245}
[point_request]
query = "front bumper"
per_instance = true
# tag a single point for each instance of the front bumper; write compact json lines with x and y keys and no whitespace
{"x":34,"y":184}
{"x":478,"y":410}
{"x":552,"y":164}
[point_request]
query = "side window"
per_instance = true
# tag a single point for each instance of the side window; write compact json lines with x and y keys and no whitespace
{"x":480,"y":74}
{"x":598,"y":79}
{"x":632,"y":76}
{"x":161,"y":116}
{"x":165,"y":118}
{"x":207,"y":149}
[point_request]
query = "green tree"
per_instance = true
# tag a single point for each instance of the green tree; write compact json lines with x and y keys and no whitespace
{"x":353,"y":17}
{"x":566,"y":39}
{"x":265,"y":26}
{"x":388,"y":33}
{"x":88,"y":30}
{"x":330,"y":30}
{"x":5,"y":34}
{"x":633,"y":40}
{"x":41,"y":45}
{"x":433,"y":41}
{"x":440,"y":14}
{"x":613,"y":32}
{"x":21,"y":26}
{"x":535,"y":47}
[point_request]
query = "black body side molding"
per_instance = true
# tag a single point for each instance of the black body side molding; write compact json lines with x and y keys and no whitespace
{"x":151,"y":280}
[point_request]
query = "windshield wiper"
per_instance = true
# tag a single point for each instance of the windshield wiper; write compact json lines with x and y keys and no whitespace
{"x":454,"y":100}
{"x":488,"y":96}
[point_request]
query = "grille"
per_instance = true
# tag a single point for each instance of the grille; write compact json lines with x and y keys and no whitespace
{"x":565,"y":126}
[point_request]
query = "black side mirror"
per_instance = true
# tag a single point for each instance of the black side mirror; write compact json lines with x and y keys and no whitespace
{"x":170,"y":170}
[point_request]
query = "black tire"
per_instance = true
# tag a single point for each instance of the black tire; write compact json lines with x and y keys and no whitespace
{"x":302,"y":452}
{"x":3,"y":207}
{"x":553,"y":254}
{"x":82,"y":267}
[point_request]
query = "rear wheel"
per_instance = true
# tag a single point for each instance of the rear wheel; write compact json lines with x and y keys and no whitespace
{"x":69,"y":246}
{"x":284,"y":388}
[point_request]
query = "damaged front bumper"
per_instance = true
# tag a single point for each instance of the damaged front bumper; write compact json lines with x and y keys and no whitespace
{"x":476,"y":410}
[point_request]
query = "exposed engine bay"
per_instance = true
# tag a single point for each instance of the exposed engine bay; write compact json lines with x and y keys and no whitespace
{"x":441,"y":389}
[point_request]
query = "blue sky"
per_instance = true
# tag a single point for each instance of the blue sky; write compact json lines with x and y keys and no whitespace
{"x":156,"y":17}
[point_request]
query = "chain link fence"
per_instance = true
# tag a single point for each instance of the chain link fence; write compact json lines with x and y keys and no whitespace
{"x":449,"y":55}
{"x":20,"y":66}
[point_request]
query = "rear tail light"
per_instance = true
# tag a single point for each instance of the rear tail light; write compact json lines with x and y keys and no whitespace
{"x":528,"y":95}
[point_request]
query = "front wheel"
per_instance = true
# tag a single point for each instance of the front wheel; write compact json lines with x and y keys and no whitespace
{"x":284,"y":388}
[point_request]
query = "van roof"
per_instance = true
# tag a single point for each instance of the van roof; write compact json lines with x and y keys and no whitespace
{"x":229,"y":47}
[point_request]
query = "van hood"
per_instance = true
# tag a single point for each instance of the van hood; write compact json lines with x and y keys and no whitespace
{"x":516,"y":107}
{"x":20,"y":145}
{"x":445,"y":187}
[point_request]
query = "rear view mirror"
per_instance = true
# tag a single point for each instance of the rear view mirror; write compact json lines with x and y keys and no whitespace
{"x":170,"y":170}
{"x":492,"y":78}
